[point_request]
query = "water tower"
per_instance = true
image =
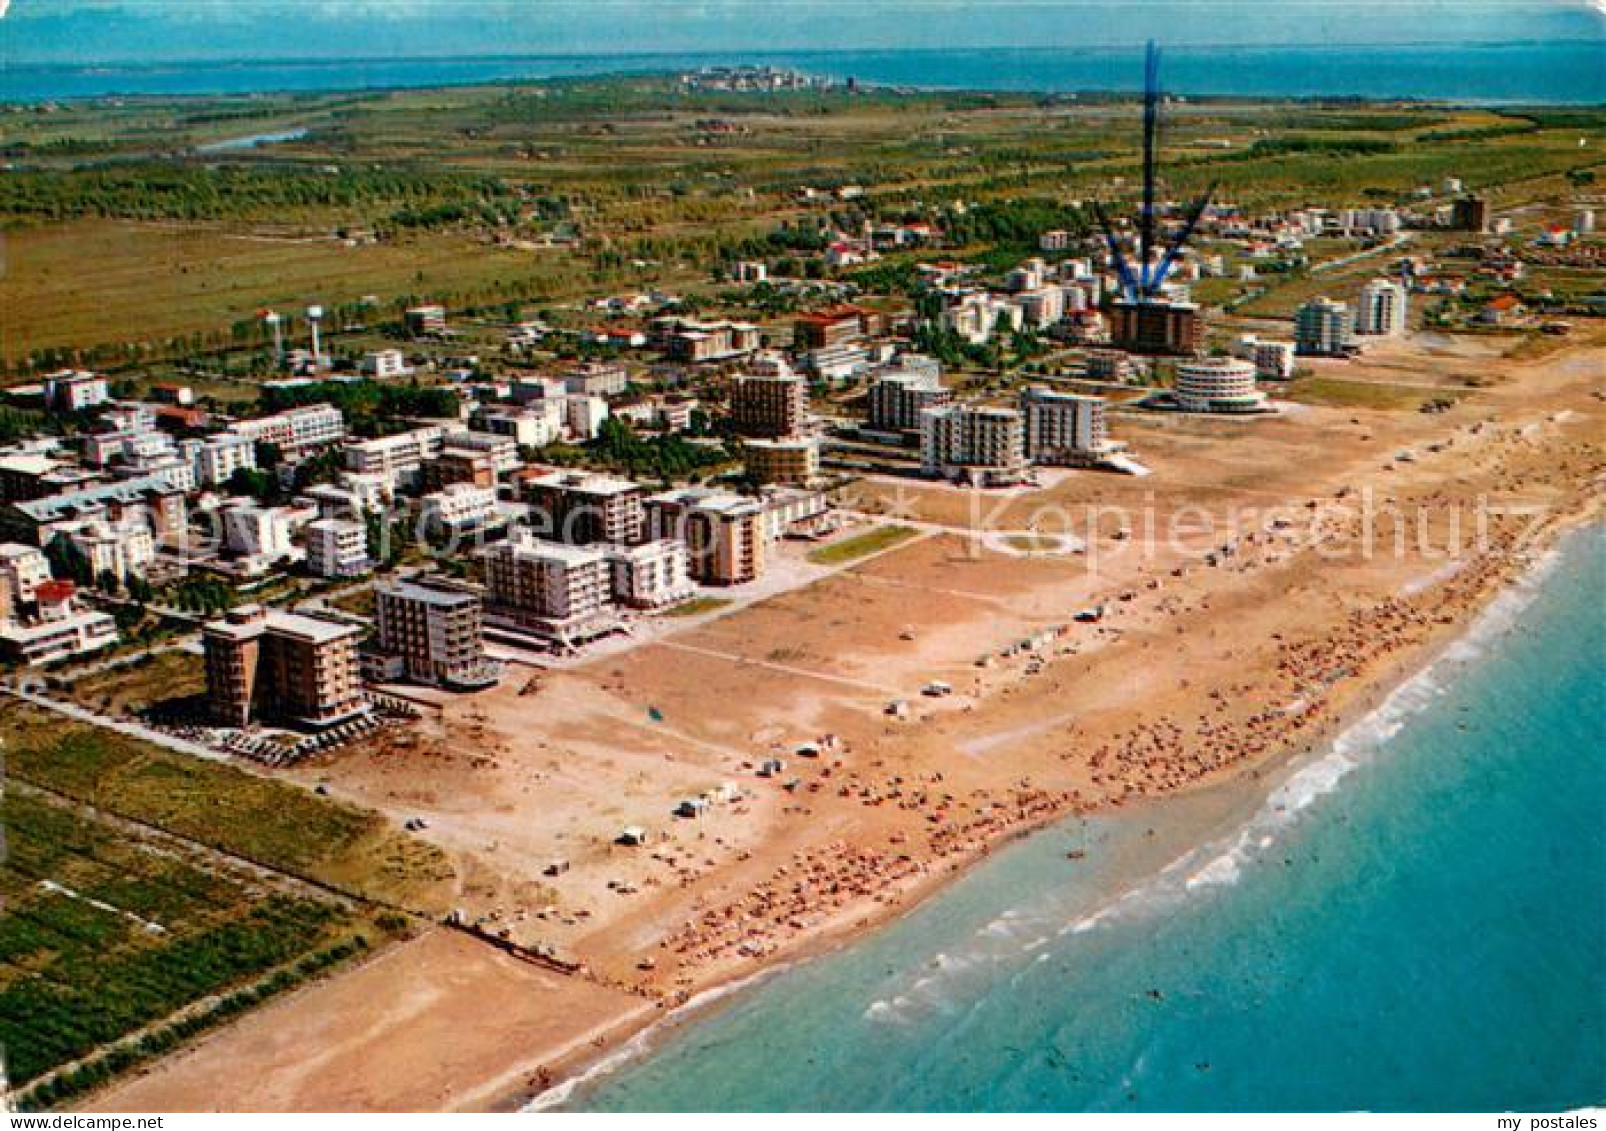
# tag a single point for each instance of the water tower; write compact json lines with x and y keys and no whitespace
{"x":314,"y":319}
{"x":275,"y":323}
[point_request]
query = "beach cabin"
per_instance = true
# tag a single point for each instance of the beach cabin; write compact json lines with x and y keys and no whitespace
{"x":632,"y":836}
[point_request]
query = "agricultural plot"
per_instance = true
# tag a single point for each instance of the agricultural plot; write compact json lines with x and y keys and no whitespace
{"x":106,"y":934}
{"x":273,"y":823}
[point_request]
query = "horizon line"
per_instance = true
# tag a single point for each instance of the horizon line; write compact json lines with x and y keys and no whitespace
{"x":148,"y":63}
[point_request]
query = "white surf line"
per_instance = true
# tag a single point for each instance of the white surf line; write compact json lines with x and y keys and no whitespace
{"x":62,"y":889}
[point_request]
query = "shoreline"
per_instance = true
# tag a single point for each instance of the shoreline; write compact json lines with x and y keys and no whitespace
{"x":1202,"y":677}
{"x":594,"y":65}
{"x":575,"y":1073}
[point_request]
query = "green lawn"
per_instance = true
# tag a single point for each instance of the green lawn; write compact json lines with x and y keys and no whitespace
{"x":862,"y":545}
{"x":697,"y":606}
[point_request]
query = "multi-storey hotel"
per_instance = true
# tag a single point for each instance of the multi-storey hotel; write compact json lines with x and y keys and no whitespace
{"x":898,"y":396}
{"x":581,"y":508}
{"x":435,"y":633}
{"x":282,"y":667}
{"x":561,"y":593}
{"x":982,"y":445}
{"x":1218,"y":384}
{"x":770,"y":406}
{"x":1064,"y":428}
{"x":723,"y":533}
{"x":793,"y":460}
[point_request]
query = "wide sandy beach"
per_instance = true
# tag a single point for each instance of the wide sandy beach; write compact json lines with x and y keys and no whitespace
{"x":1266,"y":584}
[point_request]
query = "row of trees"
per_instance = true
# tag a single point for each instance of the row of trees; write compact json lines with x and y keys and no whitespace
{"x":176,"y":191}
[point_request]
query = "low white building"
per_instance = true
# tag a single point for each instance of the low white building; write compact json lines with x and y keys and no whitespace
{"x":651,"y":575}
{"x":59,"y":631}
{"x":216,"y":458}
{"x":458,"y":506}
{"x":1273,"y":361}
{"x":122,"y":550}
{"x":337,"y":547}
{"x":255,"y":531}
{"x":384,"y":364}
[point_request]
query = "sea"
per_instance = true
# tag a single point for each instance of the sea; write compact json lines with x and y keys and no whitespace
{"x":1413,"y":919}
{"x":1479,"y":73}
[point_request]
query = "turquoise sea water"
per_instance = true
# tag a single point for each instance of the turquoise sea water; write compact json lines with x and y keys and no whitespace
{"x":1413,"y":920}
{"x":1552,"y":71}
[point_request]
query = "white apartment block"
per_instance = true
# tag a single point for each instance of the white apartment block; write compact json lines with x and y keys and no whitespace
{"x":652,"y":575}
{"x":1064,"y":428}
{"x":503,"y":451}
{"x":296,"y":430}
{"x":384,"y":364}
{"x":1381,"y":310}
{"x":337,"y":547}
{"x":898,"y":396}
{"x":122,"y":549}
{"x":1040,"y":307}
{"x":126,"y":445}
{"x":216,"y":458}
{"x":583,"y":415}
{"x":597,"y":379}
{"x":533,"y":427}
{"x":174,"y":470}
{"x":559,"y":591}
{"x":976,"y":316}
{"x":257,"y":531}
{"x":22,"y":570}
{"x":458,"y":506}
{"x":1371,"y":221}
{"x":399,"y":458}
{"x":74,"y":390}
{"x":978,"y":444}
{"x":1323,"y":327}
{"x":1273,"y":361}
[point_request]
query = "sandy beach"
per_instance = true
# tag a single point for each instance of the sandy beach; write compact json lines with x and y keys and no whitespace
{"x":1270,"y":582}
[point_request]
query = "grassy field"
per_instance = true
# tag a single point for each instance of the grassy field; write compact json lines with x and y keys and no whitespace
{"x":861,"y":545}
{"x":1340,"y":393}
{"x":112,"y":281}
{"x":106,"y":933}
{"x":632,"y":169}
{"x":271,"y":822}
{"x":130,"y":688}
{"x":697,"y":606}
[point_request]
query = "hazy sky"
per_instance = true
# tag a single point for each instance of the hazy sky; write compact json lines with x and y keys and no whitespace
{"x":155,"y":30}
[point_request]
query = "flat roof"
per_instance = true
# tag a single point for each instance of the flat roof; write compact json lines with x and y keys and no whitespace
{"x":316,"y":629}
{"x":589,"y":482}
{"x":557,"y":551}
{"x":428,"y":594}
